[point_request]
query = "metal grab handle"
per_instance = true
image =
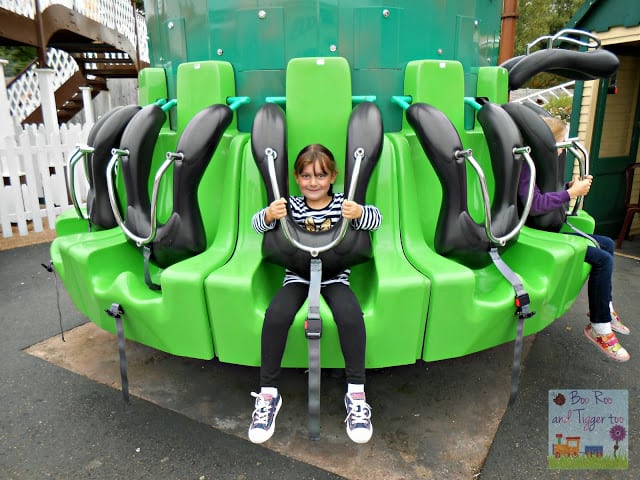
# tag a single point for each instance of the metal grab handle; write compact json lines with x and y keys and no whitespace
{"x":115,"y":156}
{"x":80,"y":152}
{"x":468,"y":155}
{"x":593,"y":42}
{"x":271,"y":155}
{"x":580,"y":152}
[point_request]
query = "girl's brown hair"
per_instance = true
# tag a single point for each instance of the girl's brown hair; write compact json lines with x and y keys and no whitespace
{"x":558,"y":128}
{"x":312,"y":154}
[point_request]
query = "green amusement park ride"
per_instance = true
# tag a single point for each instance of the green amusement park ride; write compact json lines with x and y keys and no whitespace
{"x":165,"y":243}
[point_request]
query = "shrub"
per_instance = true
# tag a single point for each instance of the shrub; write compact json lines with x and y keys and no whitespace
{"x":560,"y":107}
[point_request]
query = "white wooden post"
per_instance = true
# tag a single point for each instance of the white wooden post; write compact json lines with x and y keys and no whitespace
{"x":9,"y":187}
{"x":6,"y":123}
{"x":87,"y":105}
{"x":48,"y":101}
{"x":30,"y":190}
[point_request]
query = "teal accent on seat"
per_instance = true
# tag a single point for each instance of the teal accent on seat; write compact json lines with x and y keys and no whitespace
{"x":393,"y":295}
{"x":470,"y":309}
{"x":104,"y":270}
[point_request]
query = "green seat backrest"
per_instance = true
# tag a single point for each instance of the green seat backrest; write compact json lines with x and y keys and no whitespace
{"x":201,"y":84}
{"x":493,"y":83}
{"x":318,"y":93}
{"x":439,"y":83}
{"x":152,"y":85}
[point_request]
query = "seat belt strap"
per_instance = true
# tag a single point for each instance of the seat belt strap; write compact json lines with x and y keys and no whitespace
{"x":523,"y":311}
{"x":146,"y":253}
{"x":116,"y":312}
{"x":313,"y":332}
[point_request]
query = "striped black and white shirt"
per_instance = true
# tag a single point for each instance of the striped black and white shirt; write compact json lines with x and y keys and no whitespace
{"x":317,"y":221}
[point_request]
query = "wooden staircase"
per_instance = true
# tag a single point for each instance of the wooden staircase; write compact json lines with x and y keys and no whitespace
{"x":99,"y":51}
{"x":69,"y":98}
{"x":95,"y":67}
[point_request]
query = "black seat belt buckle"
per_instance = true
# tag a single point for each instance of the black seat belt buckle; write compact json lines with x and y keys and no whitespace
{"x":115,"y":311}
{"x":313,"y":326}
{"x":522,"y":302}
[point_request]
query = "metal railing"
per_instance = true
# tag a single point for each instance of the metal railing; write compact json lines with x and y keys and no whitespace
{"x":541,"y":97}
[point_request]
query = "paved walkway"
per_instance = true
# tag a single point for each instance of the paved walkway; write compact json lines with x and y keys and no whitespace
{"x":62,"y":415}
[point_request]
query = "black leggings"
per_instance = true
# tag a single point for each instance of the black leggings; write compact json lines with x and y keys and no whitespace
{"x":281,"y":313}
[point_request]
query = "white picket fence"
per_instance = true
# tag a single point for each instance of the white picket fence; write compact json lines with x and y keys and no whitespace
{"x":34,"y":186}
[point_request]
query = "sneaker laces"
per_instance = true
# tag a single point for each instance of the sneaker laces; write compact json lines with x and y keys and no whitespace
{"x":359,"y":412}
{"x":262,"y":410}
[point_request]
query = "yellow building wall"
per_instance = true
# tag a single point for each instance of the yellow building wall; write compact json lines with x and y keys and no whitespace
{"x":617,"y":128}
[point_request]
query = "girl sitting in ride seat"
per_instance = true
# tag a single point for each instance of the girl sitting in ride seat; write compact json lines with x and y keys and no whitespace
{"x":317,"y":210}
{"x":604,"y":320}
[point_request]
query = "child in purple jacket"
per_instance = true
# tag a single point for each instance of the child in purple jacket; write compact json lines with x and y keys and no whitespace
{"x":604,"y":320}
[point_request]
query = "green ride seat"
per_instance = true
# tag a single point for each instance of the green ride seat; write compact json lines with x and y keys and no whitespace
{"x":493,"y":83}
{"x":70,"y":227}
{"x":393,"y":295}
{"x":111,"y":269}
{"x":550,"y":170}
{"x":471,"y":307}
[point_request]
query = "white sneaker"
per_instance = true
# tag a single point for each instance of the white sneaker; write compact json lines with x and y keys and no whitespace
{"x":263,"y":422}
{"x":617,"y":325}
{"x":359,"y":427}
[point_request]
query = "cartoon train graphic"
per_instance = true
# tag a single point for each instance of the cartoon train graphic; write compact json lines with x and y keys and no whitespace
{"x":593,"y":450}
{"x":571,"y":448}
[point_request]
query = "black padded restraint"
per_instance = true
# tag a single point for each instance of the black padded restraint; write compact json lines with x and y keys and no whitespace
{"x":457,"y":234}
{"x":91,"y":140}
{"x":571,"y":64}
{"x":502,"y":137}
{"x":549,"y":166}
{"x":183,"y":235}
{"x":139,"y":138}
{"x":269,"y":131}
{"x":104,"y":135}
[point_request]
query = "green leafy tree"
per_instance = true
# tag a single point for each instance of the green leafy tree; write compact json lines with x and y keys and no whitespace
{"x":18,"y":57}
{"x":538,"y":18}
